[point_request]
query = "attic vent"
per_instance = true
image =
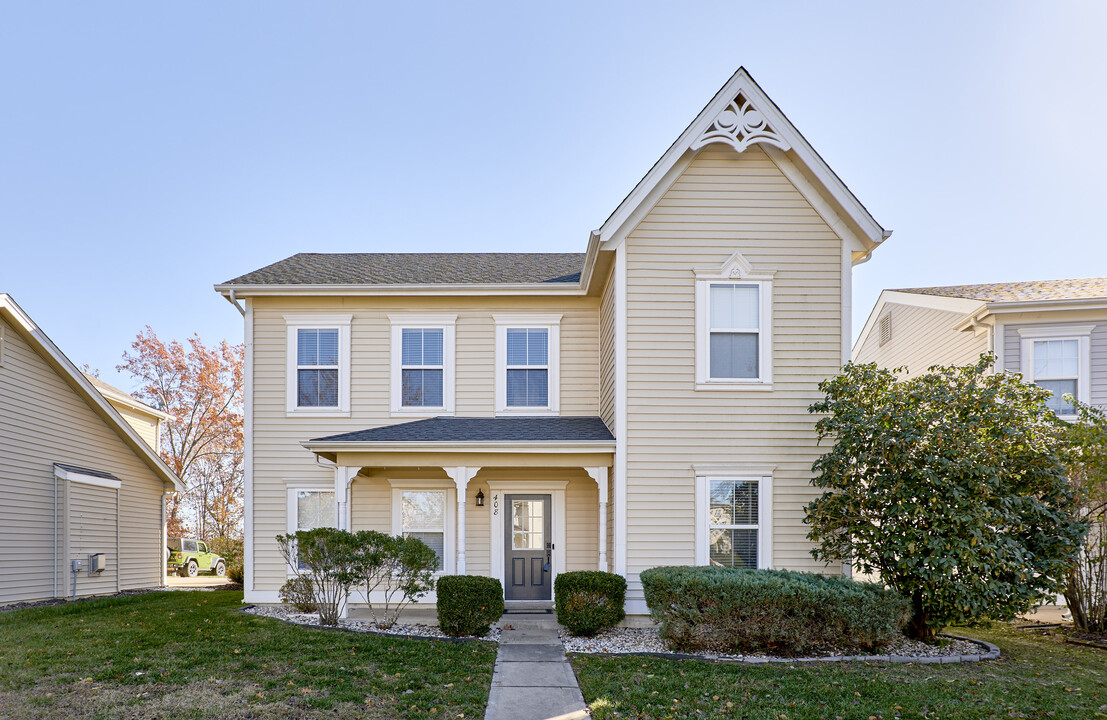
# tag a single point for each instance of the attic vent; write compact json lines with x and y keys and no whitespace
{"x":740,"y":125}
{"x":885,"y":328}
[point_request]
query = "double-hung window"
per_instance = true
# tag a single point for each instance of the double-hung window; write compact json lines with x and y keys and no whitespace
{"x":733,"y":338}
{"x":423,"y":363}
{"x":423,"y":516}
{"x":1058,"y":360}
{"x":318,"y":364}
{"x":309,"y":509}
{"x":734,"y":521}
{"x":527,"y":349}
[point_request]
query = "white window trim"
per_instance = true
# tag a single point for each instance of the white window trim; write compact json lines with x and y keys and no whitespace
{"x":764,"y":517}
{"x":704,"y":381}
{"x":449,"y":545}
{"x":1081,"y":333}
{"x":447,"y":324}
{"x":550,"y":323}
{"x":320,"y":322}
{"x":292,"y":511}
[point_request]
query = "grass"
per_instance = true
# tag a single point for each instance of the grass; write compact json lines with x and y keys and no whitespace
{"x":193,"y":655}
{"x":1038,"y":677}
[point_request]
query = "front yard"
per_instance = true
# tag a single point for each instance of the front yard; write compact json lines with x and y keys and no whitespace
{"x":193,"y":655}
{"x":1038,"y":677}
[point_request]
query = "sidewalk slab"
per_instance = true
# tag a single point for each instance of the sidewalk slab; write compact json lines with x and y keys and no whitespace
{"x":532,"y":703}
{"x":530,"y":637}
{"x":530,"y":653}
{"x":534,"y":674}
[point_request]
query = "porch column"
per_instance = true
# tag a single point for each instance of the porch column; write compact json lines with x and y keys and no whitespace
{"x":599,"y":474}
{"x":461,"y":476}
{"x":343,"y":476}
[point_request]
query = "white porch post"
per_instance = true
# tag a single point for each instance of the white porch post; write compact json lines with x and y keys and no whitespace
{"x":461,"y":476}
{"x":343,"y":476}
{"x":599,"y":474}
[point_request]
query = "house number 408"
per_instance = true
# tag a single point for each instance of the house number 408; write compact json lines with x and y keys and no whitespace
{"x":495,"y":504}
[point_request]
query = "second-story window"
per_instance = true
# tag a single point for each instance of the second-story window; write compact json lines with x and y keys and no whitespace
{"x":1057,"y":358}
{"x":527,"y":354}
{"x":422,"y":367}
{"x":734,"y":332}
{"x":318,"y":364}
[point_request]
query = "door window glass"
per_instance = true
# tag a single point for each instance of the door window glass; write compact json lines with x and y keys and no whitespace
{"x":528,"y":524}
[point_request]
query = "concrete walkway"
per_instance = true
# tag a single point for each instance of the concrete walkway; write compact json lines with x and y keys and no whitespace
{"x":532,"y":679}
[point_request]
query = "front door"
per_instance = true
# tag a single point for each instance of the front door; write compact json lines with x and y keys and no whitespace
{"x":529,"y":552}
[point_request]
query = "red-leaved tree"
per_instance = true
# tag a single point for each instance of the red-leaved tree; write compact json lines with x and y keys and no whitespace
{"x":201,"y":388}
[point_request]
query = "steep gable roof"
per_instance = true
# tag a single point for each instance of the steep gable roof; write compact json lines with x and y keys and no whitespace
{"x":34,"y":335}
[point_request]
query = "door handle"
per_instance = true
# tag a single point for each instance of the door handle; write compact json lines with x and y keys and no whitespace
{"x":546,"y":567}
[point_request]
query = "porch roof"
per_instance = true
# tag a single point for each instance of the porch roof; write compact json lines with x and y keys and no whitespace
{"x":480,"y":430}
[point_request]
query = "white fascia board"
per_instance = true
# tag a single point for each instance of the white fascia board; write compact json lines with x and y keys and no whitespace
{"x":537,"y":446}
{"x":135,"y":404}
{"x":1020,"y":306}
{"x":897,"y":297}
{"x":86,"y":479}
{"x":540,"y":289}
{"x":617,"y":226}
{"x":43,"y":345}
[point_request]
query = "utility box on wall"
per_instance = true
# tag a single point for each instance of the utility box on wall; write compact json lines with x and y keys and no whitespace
{"x":97,"y":563}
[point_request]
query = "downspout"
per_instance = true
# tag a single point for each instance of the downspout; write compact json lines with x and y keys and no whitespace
{"x":234,"y":301}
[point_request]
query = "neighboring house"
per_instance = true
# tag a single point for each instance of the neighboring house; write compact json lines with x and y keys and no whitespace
{"x":146,"y":421}
{"x":1054,"y":332}
{"x":76,"y":480}
{"x":642,"y":403}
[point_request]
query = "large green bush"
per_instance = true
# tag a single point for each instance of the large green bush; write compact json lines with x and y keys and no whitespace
{"x":777,"y":612}
{"x":588,"y":601}
{"x":468,"y":604}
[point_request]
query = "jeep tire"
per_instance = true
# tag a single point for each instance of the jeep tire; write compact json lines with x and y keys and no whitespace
{"x":220,"y":569}
{"x":193,"y":568}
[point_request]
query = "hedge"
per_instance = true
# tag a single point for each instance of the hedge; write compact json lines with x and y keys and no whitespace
{"x":776,"y":612}
{"x":588,"y":601}
{"x":468,"y":604}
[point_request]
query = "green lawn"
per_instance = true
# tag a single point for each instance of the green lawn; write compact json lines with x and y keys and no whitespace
{"x":1038,"y":677}
{"x":193,"y":655}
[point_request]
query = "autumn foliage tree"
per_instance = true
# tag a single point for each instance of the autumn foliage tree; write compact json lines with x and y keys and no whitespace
{"x":201,"y":388}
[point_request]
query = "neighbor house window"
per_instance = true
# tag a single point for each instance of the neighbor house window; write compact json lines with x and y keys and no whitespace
{"x":319,"y":364}
{"x":310,"y":509}
{"x":733,"y":523}
{"x":422,"y":363}
{"x":423,"y":516}
{"x":527,"y":363}
{"x":1057,"y":359}
{"x":733,"y":345}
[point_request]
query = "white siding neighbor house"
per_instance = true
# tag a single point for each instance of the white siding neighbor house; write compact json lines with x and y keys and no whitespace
{"x":1053,"y":332}
{"x":82,"y":490}
{"x":641,"y":403}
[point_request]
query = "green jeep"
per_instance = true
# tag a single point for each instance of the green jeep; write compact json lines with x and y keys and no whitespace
{"x":191,"y":557}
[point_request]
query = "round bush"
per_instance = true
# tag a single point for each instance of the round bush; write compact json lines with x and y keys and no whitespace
{"x":468,"y":604}
{"x":588,"y":601}
{"x":773,"y":611}
{"x":235,"y":573}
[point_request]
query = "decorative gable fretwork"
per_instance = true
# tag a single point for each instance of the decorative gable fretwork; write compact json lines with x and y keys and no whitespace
{"x":740,"y":125}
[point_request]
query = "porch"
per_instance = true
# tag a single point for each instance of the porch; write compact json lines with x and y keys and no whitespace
{"x":517,"y":499}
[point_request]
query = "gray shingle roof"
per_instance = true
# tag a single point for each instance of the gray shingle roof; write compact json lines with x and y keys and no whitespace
{"x":1081,"y":289}
{"x":417,"y":268}
{"x":86,"y":471}
{"x":498,"y":429}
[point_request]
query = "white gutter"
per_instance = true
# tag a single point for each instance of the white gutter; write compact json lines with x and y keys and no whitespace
{"x":555,"y":289}
{"x":541,"y":446}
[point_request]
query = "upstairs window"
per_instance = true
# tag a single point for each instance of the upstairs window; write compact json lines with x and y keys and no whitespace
{"x":528,"y":367}
{"x":527,"y":359}
{"x":733,"y":348}
{"x":422,"y":367}
{"x":318,"y":364}
{"x":1057,"y":359}
{"x":317,"y":367}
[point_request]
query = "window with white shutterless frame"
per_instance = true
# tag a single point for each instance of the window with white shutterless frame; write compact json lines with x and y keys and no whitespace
{"x":318,"y":364}
{"x":310,"y":507}
{"x":1058,"y":358}
{"x":528,"y":349}
{"x":427,"y":510}
{"x":734,"y":521}
{"x":422,"y":364}
{"x":733,"y":327}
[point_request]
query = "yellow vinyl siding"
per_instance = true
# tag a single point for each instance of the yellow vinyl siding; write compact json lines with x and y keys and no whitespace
{"x":92,"y":529}
{"x":920,"y":338}
{"x":607,"y":354}
{"x":724,"y":202}
{"x":44,"y":421}
{"x":145,"y":425}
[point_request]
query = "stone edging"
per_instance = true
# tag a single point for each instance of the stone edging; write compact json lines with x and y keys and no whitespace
{"x":992,"y":653}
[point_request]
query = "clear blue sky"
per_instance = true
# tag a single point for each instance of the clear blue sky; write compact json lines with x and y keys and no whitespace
{"x":149,"y":150}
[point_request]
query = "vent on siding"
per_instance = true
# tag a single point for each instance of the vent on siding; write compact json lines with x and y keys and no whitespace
{"x":885,"y":328}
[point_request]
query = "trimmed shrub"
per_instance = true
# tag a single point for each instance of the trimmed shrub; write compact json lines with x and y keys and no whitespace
{"x":588,"y":601}
{"x":468,"y":604}
{"x":236,"y":573}
{"x":299,"y":593}
{"x":771,"y":611}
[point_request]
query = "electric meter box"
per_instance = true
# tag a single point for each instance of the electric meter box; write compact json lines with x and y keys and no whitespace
{"x":97,"y":563}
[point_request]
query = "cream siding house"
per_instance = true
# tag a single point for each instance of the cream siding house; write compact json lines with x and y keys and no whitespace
{"x":76,"y":479}
{"x":1053,"y":332}
{"x":639,"y":404}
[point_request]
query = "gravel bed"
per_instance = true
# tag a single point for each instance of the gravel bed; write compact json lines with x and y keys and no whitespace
{"x":647,"y":640}
{"x":287,"y":614}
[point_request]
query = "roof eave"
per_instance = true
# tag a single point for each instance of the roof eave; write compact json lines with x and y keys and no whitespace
{"x":1011,"y":306}
{"x":554,"y":289}
{"x":499,"y":446}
